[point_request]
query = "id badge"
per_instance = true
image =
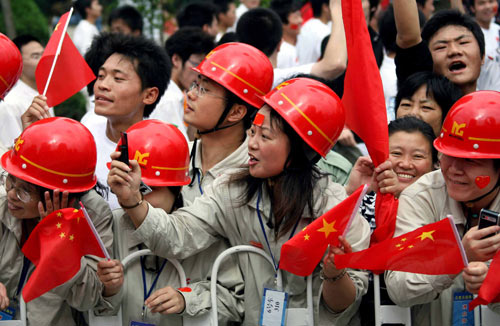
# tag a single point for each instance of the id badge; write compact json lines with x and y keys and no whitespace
{"x":8,"y":314}
{"x":273,"y":308}
{"x":140,"y":323}
{"x":461,"y":314}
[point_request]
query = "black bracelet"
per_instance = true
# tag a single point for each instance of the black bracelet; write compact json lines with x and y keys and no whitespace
{"x":135,"y":205}
{"x":331,"y":279}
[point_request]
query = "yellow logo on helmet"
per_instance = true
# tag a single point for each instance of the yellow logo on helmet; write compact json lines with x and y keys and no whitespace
{"x":456,"y":129}
{"x":18,"y":144}
{"x":141,"y":158}
{"x":283,"y":84}
{"x":209,"y":54}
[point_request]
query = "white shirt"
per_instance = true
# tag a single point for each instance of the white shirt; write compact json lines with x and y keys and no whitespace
{"x":309,"y":40}
{"x":104,"y":148}
{"x":489,"y":78}
{"x":390,"y":85}
{"x":287,"y":56}
{"x":90,"y":117}
{"x":83,"y":35}
{"x":171,"y":108}
{"x":282,"y":74}
{"x":491,"y":41}
{"x":17,"y":101}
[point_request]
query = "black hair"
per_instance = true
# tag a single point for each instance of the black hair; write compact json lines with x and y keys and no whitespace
{"x":421,"y":3}
{"x":221,"y":6}
{"x":131,"y":16}
{"x":261,"y":28}
{"x":316,"y":6}
{"x":387,"y":28}
{"x":150,"y":61}
{"x":196,"y":14}
{"x":24,"y":39}
{"x":294,"y":186}
{"x":439,"y":88}
{"x":81,"y":6}
{"x":411,"y":124}
{"x":187,"y":41}
{"x":228,"y":38}
{"x":284,"y":8}
{"x":444,"y":18}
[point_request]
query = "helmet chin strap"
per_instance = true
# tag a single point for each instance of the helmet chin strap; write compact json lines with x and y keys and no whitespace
{"x":470,"y":203}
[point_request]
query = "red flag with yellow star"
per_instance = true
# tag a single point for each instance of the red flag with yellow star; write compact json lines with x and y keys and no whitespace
{"x":71,"y":72}
{"x":489,"y":291}
{"x":433,"y":249}
{"x":56,"y":247}
{"x":304,"y":251}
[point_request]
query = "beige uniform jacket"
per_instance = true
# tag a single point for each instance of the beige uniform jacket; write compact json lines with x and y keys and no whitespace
{"x":82,"y":292}
{"x":218,"y":214}
{"x":235,"y":160}
{"x":197,"y":269}
{"x":425,"y":202}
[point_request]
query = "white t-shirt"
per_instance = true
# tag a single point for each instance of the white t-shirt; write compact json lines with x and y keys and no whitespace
{"x":309,"y":40}
{"x":491,"y":41}
{"x":287,"y":56}
{"x":390,"y":85}
{"x":83,"y":35}
{"x":90,"y":117}
{"x":104,"y":148}
{"x":489,"y":78}
{"x":12,"y":108}
{"x":282,"y":74}
{"x":171,"y":108}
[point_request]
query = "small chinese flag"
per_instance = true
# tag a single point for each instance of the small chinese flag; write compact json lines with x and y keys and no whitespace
{"x":71,"y":72}
{"x":433,"y":249}
{"x":490,"y":289}
{"x":56,"y":247}
{"x":302,"y":253}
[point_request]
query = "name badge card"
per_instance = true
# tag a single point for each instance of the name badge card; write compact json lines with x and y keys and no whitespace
{"x":273,"y":308}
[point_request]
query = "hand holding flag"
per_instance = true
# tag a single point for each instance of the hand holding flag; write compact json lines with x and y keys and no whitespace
{"x":71,"y":73}
{"x":489,"y":291}
{"x":303,"y":252}
{"x":432,"y":249}
{"x":56,"y":247}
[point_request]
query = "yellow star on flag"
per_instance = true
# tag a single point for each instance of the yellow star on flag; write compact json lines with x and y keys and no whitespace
{"x":410,"y":246}
{"x":328,"y":228}
{"x":59,"y":214}
{"x":306,"y":237}
{"x":58,"y":225}
{"x":398,"y":245}
{"x":427,"y":235}
{"x":404,"y":239}
{"x":71,"y":237}
{"x":62,"y":235}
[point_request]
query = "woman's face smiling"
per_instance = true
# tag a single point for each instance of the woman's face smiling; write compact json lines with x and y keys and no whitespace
{"x":268,"y":146}
{"x":16,"y":189}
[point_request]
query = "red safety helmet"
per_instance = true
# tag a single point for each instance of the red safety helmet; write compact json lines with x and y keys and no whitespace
{"x":11,"y":65}
{"x":55,"y":153}
{"x":241,"y":68}
{"x":312,"y":109}
{"x":472,"y":127}
{"x":161,"y":151}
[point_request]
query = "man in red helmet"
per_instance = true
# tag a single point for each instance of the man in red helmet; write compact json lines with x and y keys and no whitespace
{"x":467,"y":182}
{"x":11,"y":66}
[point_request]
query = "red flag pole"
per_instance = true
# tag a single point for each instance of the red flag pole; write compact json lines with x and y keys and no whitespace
{"x":92,"y":227}
{"x":58,"y":51}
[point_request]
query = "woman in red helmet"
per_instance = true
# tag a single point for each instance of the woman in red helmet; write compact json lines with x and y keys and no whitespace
{"x":52,"y":159}
{"x":279,"y":192}
{"x":162,"y":153}
{"x":467,"y":182}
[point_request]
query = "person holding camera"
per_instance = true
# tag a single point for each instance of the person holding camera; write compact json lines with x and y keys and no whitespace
{"x":467,"y":182}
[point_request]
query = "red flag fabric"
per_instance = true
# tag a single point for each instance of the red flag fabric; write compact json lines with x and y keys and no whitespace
{"x":386,"y":210}
{"x":56,"y":247}
{"x":490,"y":289}
{"x":303,"y":252}
{"x":363,"y":96}
{"x":433,"y":249}
{"x":306,"y":12}
{"x":71,"y":72}
{"x":364,"y":102}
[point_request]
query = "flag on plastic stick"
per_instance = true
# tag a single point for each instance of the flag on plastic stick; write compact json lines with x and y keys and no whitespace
{"x":303,"y":252}
{"x":96,"y":234}
{"x":489,"y":292}
{"x":433,"y":249}
{"x":56,"y":247}
{"x":61,"y":71}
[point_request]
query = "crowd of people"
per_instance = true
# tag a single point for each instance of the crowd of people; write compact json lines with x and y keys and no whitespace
{"x":237,"y":136}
